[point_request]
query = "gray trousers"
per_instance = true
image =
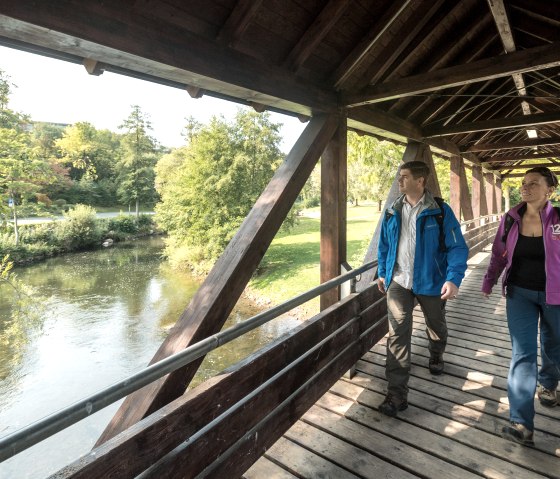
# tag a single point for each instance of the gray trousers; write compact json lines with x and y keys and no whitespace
{"x":400,"y":303}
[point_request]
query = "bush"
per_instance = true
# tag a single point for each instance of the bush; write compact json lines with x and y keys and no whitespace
{"x":124,"y":224}
{"x":80,"y":229}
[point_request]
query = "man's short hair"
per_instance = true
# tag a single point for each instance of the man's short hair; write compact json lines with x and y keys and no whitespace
{"x":417,"y":169}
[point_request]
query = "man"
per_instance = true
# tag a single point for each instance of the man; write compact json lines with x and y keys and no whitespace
{"x":422,"y":256}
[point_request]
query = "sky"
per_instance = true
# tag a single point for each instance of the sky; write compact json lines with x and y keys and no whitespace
{"x":56,"y":91}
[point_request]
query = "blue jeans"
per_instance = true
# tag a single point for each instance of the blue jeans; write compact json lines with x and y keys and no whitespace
{"x":524,"y":307}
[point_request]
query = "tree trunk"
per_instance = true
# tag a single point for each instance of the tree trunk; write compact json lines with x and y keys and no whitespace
{"x":379,"y":205}
{"x":137,"y":208}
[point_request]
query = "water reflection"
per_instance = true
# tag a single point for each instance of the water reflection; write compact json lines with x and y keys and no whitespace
{"x":106,"y":313}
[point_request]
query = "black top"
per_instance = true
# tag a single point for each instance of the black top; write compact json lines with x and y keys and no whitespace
{"x":527,"y":267}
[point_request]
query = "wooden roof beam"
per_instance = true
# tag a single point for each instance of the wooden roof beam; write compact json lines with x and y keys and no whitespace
{"x":499,"y":13}
{"x":360,"y":51}
{"x":399,"y":43}
{"x":238,"y":21}
{"x":528,"y":156}
{"x":508,"y":145}
{"x":387,"y":125}
{"x":496,"y":124}
{"x":525,"y":167}
{"x":328,"y":17}
{"x":57,"y":26}
{"x":538,"y":58}
{"x":519,"y":175}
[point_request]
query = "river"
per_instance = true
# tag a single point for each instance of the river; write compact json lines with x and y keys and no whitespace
{"x":100,"y":316}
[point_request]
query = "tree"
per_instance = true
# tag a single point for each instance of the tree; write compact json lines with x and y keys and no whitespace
{"x":208,"y":187}
{"x":79,"y":148}
{"x":139,"y":157}
{"x":372,"y":166}
{"x":9,"y":118}
{"x":21,"y":173}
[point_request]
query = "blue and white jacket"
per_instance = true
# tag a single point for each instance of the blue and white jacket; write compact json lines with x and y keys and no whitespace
{"x":432,"y":267}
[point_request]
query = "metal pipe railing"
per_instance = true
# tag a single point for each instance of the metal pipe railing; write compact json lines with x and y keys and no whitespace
{"x":30,"y":435}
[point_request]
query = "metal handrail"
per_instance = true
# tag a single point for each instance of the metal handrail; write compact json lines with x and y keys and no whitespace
{"x":30,"y":435}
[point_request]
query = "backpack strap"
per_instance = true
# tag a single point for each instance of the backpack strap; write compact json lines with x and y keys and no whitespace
{"x":507,"y":226}
{"x":509,"y":223}
{"x":439,"y":218}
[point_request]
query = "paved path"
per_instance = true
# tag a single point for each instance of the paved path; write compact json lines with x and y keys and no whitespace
{"x":46,"y":219}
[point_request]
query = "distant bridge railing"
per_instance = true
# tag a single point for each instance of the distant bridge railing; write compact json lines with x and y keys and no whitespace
{"x":221,"y":427}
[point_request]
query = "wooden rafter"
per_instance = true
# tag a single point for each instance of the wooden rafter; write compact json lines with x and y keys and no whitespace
{"x":528,"y":156}
{"x":390,"y":53}
{"x":519,"y":175}
{"x":496,"y":124}
{"x":238,"y":21}
{"x":547,"y":56}
{"x":525,"y":166}
{"x":499,"y":13}
{"x":360,"y":51}
{"x":509,"y":145}
{"x":328,"y":17}
{"x":231,"y":73}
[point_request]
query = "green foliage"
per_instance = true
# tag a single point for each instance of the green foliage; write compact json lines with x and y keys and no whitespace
{"x":124,"y":224}
{"x":79,"y":230}
{"x":26,"y":314}
{"x":208,"y":187}
{"x":139,"y":157}
{"x":372,"y":166}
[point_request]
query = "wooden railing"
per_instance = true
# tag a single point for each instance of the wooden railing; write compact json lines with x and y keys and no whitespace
{"x":220,"y":428}
{"x":479,"y":232}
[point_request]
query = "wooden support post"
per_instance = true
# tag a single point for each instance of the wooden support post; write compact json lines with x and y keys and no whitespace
{"x":478,"y":196}
{"x":455,"y":171}
{"x":490,"y":194}
{"x":498,"y":191}
{"x":433,"y":182}
{"x":333,"y":211}
{"x":466,"y":203}
{"x":507,"y":201}
{"x":216,"y":297}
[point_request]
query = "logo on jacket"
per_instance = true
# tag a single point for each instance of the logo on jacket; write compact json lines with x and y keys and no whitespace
{"x":555,"y":231}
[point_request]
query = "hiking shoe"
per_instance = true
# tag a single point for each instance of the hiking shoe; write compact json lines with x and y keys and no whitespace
{"x":390,"y":406}
{"x":518,"y":433}
{"x":436,"y":364}
{"x":547,"y":397}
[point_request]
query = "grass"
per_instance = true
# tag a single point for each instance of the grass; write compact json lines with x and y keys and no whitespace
{"x":291,"y":264}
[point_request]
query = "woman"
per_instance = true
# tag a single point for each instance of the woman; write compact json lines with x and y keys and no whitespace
{"x":530,"y":254}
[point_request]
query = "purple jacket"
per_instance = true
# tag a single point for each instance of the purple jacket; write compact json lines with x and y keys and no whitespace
{"x":502,"y":254}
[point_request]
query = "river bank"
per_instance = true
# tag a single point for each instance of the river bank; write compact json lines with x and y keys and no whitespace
{"x":107,"y":312}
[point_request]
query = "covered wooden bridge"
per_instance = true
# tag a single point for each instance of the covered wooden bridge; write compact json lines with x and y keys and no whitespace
{"x":475,"y":81}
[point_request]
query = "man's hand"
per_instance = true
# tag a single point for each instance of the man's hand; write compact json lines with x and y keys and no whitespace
{"x":449,"y":290}
{"x":381,"y":285}
{"x":486,"y":295}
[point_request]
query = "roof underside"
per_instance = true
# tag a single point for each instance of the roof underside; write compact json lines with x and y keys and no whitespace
{"x":472,"y":76}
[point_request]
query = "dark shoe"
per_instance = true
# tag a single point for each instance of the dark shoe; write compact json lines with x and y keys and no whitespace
{"x":390,"y":406}
{"x":436,"y":364}
{"x":518,"y":433}
{"x":547,"y":397}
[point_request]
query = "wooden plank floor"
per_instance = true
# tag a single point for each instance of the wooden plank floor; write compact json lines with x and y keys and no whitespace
{"x":451,"y":427}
